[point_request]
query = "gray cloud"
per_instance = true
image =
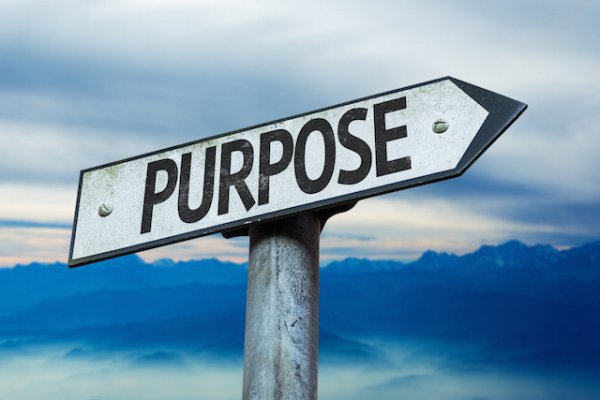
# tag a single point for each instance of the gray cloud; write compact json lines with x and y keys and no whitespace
{"x":88,"y":84}
{"x":12,"y":223}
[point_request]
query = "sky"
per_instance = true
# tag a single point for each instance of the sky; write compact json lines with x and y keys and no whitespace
{"x":88,"y":83}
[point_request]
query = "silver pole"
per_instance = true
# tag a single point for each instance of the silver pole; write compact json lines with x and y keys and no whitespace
{"x":282,"y":315}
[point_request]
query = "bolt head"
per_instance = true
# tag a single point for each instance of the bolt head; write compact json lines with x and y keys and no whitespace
{"x":105,"y":210}
{"x":440,"y":126}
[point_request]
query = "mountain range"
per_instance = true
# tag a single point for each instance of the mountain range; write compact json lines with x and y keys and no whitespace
{"x":518,"y":305}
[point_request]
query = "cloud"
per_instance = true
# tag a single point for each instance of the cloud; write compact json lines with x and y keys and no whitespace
{"x":214,"y":246}
{"x":14,"y":223}
{"x":25,"y":245}
{"x":35,"y":222}
{"x":557,"y":160}
{"x":178,"y":72}
{"x":53,"y":155}
{"x":405,"y":227}
{"x":37,"y":203}
{"x":198,"y":45}
{"x":46,"y":373}
{"x":93,"y":83}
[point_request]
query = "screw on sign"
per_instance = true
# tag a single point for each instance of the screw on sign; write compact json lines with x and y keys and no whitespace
{"x":440,"y":126}
{"x":278,"y":182}
{"x":105,"y":209}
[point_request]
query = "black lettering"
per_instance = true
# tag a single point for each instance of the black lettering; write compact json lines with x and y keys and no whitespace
{"x":185,"y":213}
{"x":151,"y":198}
{"x":384,"y":135}
{"x":227,"y":179}
{"x":356,"y":145}
{"x":266,"y":169}
{"x":306,"y":184}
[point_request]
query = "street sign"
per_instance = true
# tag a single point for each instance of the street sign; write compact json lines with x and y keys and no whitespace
{"x":378,"y":144}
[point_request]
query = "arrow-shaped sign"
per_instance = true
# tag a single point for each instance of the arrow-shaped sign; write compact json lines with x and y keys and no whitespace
{"x":378,"y":144}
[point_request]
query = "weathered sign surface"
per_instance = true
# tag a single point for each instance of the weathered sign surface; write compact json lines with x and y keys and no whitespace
{"x":403,"y":138}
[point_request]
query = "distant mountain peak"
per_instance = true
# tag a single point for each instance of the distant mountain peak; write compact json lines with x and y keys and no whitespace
{"x":513,"y":244}
{"x":362,"y":265}
{"x":509,"y":254}
{"x":432,"y":258}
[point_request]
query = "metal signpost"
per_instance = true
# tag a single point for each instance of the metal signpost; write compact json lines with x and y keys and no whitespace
{"x":278,"y":182}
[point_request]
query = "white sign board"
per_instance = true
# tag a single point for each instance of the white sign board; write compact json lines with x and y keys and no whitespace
{"x":320,"y":159}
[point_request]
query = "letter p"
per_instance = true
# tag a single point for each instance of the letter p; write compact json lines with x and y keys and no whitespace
{"x":151,"y":198}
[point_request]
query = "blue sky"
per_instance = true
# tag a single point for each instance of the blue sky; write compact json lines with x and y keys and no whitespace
{"x":86,"y":83}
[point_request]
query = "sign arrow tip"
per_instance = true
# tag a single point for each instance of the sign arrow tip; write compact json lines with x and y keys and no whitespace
{"x":503,"y":111}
